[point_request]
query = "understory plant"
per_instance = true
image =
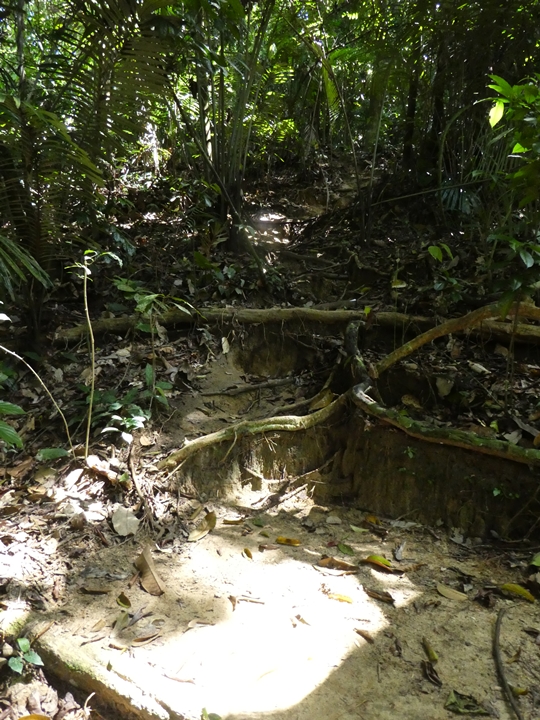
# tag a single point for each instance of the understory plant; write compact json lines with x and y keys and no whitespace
{"x":517,"y":108}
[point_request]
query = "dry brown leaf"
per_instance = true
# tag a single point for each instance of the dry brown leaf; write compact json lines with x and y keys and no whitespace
{"x":124,"y":521}
{"x":150,"y":580}
{"x":101,"y":467}
{"x":95,"y":589}
{"x":364,"y":633}
{"x":208,"y":524}
{"x":450,"y":593}
{"x":336,"y":564}
{"x":145,"y":639}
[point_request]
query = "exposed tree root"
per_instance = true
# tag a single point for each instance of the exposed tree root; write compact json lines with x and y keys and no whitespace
{"x":286,"y":423}
{"x":445,"y":436}
{"x":479,"y":321}
{"x":414,"y":428}
{"x":466,"y":323}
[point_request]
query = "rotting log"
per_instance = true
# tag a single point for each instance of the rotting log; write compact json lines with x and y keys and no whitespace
{"x":482,"y":322}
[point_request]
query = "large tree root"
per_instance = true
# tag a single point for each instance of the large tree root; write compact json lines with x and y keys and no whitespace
{"x":480,"y":321}
{"x":286,"y":423}
{"x":414,"y":428}
{"x":445,"y":436}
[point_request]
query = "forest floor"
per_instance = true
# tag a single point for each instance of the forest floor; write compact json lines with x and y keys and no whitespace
{"x":168,"y":599}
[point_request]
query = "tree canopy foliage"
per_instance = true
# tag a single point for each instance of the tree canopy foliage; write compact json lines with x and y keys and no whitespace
{"x":208,"y":91}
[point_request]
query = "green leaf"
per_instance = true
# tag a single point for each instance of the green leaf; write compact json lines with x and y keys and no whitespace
{"x":7,"y":408}
{"x":527,"y":258}
{"x":435,"y":252}
{"x":345,"y":549}
{"x":33,"y":658}
{"x":447,"y":250}
{"x":518,"y":148}
{"x":536,"y":560}
{"x":9,"y":435}
{"x":149,"y":375}
{"x":496,"y":112}
{"x":24,"y":644}
{"x":51,"y":453}
{"x":16,"y":664}
{"x":502,"y":86}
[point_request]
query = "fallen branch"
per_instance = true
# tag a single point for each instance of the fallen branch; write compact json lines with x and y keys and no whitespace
{"x":488,"y":328}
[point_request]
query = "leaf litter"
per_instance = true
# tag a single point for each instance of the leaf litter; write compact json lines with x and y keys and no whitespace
{"x":265,"y":637}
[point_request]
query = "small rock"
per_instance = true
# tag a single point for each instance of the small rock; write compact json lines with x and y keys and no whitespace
{"x":333,"y":520}
{"x":7,"y":650}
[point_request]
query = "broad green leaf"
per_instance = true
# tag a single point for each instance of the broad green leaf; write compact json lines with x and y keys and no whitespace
{"x":496,"y":113}
{"x":527,"y":258}
{"x":435,"y":252}
{"x":33,"y":658}
{"x":16,"y":664}
{"x":447,"y":250}
{"x":149,"y":375}
{"x":24,"y":644}
{"x":7,"y":408}
{"x":9,"y":435}
{"x":502,"y":86}
{"x":51,"y":453}
{"x":345,"y":549}
{"x":518,"y":148}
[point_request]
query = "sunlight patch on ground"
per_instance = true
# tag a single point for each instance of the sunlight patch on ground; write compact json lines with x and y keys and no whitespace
{"x":277,"y":636}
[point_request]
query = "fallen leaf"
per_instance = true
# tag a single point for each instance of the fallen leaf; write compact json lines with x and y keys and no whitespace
{"x":341,"y":598}
{"x":207,"y":524}
{"x":345,"y":549}
{"x":145,"y":639}
{"x":150,"y":580}
{"x":518,"y":590}
{"x":383,"y":596}
{"x":124,"y":521}
{"x":378,"y":561}
{"x":101,"y":467}
{"x":365,"y":635}
{"x":94,"y":589}
{"x":430,"y":652}
{"x":246,"y":552}
{"x":464,"y":704}
{"x":337,"y":564}
{"x":288,"y":541}
{"x":430,"y":673}
{"x":450,"y":593}
{"x":123,"y":601}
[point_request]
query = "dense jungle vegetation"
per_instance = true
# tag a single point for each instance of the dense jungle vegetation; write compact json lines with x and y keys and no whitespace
{"x":117,"y":113}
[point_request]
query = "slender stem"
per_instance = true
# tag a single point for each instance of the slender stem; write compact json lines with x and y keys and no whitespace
{"x":86,"y":272}
{"x":18,"y":357}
